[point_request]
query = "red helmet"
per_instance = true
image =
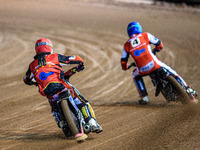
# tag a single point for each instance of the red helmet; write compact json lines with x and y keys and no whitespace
{"x":43,"y":45}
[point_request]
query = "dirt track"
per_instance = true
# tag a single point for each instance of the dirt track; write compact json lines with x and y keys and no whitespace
{"x":97,"y":32}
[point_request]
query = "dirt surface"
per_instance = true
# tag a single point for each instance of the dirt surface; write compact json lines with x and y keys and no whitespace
{"x":97,"y":31}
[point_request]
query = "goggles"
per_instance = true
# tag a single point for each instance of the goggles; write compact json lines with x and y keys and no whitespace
{"x":43,"y":43}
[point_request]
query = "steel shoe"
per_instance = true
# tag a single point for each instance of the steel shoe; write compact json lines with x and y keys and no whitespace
{"x":95,"y":127}
{"x":191,"y":91}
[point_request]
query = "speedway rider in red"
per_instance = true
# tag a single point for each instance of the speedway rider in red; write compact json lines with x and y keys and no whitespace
{"x":146,"y":62}
{"x":46,"y":72}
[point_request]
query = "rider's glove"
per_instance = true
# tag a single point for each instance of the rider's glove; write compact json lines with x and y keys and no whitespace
{"x":80,"y":67}
{"x":35,"y":83}
{"x":154,"y":51}
{"x":124,"y":65}
{"x":132,"y":64}
{"x":29,"y":81}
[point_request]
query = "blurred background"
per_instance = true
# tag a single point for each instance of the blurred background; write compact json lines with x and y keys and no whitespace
{"x":188,"y":2}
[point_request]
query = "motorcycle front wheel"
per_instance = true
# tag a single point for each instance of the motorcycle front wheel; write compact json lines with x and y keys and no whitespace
{"x":184,"y":98}
{"x":70,"y":118}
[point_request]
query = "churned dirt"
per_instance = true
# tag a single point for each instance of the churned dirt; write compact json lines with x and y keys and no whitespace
{"x":96,"y":30}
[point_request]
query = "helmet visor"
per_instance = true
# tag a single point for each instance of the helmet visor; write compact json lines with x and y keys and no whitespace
{"x":43,"y":43}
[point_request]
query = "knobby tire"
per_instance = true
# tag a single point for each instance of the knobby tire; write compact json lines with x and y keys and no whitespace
{"x":184,"y":97}
{"x":69,"y":118}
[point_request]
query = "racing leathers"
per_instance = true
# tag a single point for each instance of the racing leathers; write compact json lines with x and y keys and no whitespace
{"x":46,"y":72}
{"x":138,"y":46}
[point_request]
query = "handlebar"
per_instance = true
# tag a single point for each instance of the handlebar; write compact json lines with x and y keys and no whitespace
{"x":33,"y":81}
{"x":131,"y":65}
{"x":154,"y":51}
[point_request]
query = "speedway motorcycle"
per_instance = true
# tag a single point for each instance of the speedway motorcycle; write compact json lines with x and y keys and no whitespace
{"x":167,"y":84}
{"x":73,"y":123}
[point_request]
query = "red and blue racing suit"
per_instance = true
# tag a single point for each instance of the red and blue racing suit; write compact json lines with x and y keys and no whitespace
{"x":46,"y":72}
{"x":138,"y":46}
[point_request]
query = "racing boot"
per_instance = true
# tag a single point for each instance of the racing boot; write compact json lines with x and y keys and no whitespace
{"x":144,"y":100}
{"x":191,"y":91}
{"x":90,"y":118}
{"x":194,"y":94}
{"x":95,"y":127}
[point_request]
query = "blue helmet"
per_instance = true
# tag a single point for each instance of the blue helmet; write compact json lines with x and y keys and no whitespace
{"x":134,"y":28}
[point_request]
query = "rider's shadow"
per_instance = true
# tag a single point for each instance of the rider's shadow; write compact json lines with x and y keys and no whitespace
{"x":132,"y":103}
{"x":29,"y":137}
